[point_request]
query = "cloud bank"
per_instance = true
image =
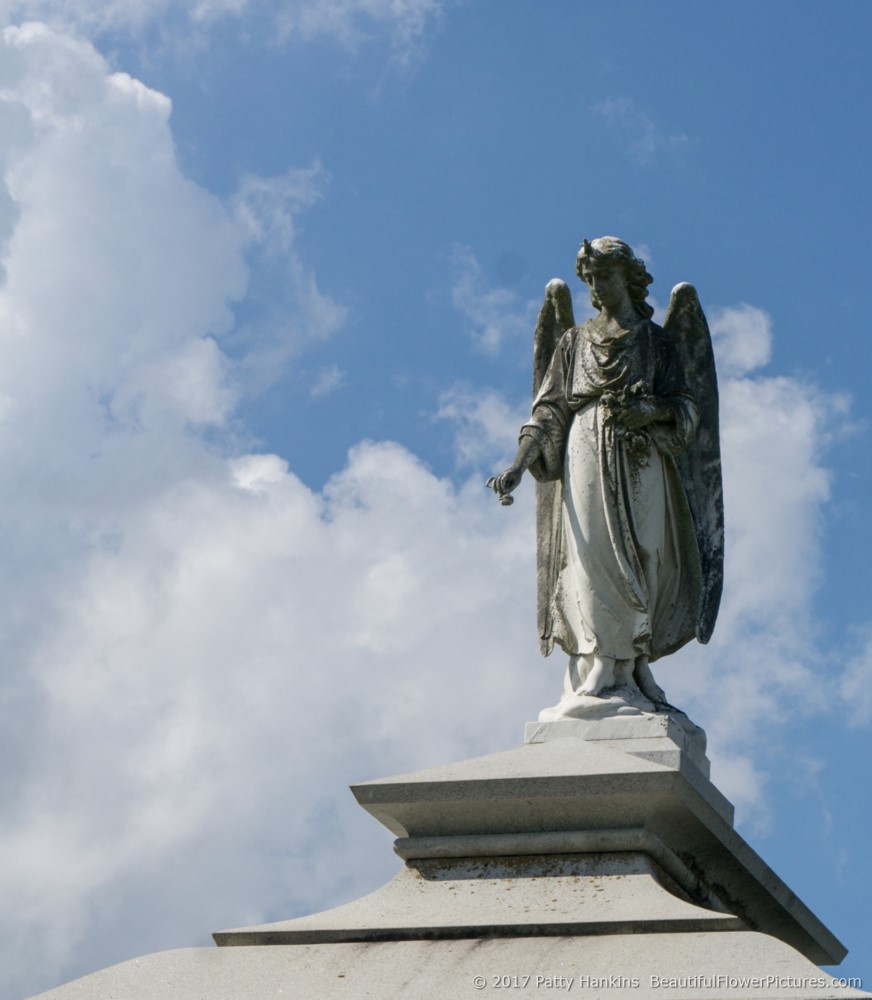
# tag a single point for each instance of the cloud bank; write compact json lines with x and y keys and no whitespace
{"x":200,"y":652}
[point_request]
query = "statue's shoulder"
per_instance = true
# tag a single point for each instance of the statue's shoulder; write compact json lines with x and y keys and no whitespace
{"x":585,"y":329}
{"x":569,"y":337}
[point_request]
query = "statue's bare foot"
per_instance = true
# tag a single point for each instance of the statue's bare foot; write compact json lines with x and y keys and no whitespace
{"x":600,"y":676}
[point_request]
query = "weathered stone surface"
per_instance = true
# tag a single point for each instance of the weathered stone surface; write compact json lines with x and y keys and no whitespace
{"x":504,"y":896}
{"x":571,"y":786}
{"x":561,"y":784}
{"x":600,"y":967}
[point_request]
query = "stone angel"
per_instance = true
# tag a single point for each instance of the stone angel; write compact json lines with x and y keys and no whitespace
{"x":623,"y":442}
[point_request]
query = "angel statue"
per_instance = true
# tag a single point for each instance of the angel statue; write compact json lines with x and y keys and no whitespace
{"x":623,"y":443}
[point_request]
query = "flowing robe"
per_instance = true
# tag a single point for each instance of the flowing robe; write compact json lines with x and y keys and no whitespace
{"x":624,"y":575}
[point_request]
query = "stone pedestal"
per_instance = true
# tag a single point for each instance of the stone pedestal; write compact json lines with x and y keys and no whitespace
{"x":597,"y":858}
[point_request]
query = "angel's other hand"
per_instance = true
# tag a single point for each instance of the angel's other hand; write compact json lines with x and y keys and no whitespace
{"x":638,"y":413}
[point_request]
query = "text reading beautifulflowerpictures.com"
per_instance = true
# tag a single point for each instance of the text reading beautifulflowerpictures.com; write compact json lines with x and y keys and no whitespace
{"x":698,"y":982}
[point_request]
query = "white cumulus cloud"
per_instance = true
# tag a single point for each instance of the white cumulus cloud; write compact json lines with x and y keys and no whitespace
{"x":199,"y":651}
{"x":743,"y":338}
{"x":212,"y":679}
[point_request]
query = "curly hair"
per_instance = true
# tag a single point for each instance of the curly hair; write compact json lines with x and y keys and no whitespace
{"x":609,"y":249}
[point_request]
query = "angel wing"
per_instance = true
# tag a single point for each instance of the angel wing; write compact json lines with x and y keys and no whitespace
{"x":555,"y":318}
{"x":700,"y":464}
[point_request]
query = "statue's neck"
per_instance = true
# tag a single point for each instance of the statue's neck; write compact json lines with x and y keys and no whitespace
{"x":615,"y":322}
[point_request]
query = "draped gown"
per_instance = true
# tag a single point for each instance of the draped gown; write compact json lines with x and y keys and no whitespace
{"x":625,"y":576}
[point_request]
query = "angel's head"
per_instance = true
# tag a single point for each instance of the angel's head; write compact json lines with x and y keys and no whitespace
{"x":607,"y":253}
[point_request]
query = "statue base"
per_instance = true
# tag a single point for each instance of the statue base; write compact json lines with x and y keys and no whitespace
{"x":614,"y":730}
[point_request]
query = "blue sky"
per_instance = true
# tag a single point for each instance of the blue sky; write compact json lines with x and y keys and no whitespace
{"x":269,"y":278}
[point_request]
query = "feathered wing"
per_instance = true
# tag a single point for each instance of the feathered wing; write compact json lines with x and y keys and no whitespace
{"x":700,"y":464}
{"x":555,"y":318}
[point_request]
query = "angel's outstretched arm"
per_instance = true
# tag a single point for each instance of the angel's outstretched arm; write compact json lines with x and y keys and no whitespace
{"x":507,"y":482}
{"x":555,"y":317}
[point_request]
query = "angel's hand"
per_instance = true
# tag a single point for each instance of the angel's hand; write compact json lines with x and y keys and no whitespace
{"x":638,"y":413}
{"x":506,"y":482}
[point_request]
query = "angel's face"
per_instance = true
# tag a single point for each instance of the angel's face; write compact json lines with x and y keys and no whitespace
{"x":608,"y":287}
